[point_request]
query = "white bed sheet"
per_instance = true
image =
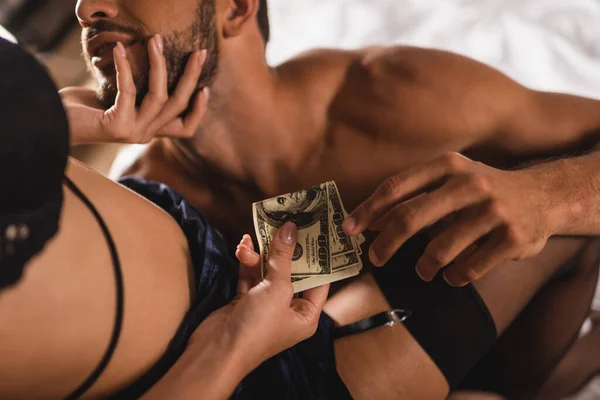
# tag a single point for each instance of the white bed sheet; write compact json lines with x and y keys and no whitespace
{"x":544,"y":44}
{"x":7,"y":35}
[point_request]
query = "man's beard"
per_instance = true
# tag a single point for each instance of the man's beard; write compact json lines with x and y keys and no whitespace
{"x":177,"y":48}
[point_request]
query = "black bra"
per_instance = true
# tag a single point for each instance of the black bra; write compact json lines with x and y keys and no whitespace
{"x":116,"y":333}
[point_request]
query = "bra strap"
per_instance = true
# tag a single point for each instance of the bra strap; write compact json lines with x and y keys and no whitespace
{"x":116,"y":333}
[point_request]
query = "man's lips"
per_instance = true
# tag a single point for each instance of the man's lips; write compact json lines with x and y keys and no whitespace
{"x":100,"y":47}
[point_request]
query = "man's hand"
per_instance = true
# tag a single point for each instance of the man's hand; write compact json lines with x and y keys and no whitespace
{"x":265,"y":319}
{"x":482,"y":217}
{"x":158,"y":115}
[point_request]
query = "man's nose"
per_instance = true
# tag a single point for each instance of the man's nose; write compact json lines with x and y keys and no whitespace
{"x":90,"y":11}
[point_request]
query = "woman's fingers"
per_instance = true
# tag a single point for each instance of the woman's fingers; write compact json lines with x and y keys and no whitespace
{"x":158,"y":115}
{"x":188,"y":126}
{"x":249,"y":265}
{"x":247,"y":256}
{"x":184,"y":91}
{"x":158,"y":94}
{"x":316,"y":297}
{"x":247,"y":241}
{"x":126,"y":91}
{"x":192,"y":121}
{"x":279,"y":263}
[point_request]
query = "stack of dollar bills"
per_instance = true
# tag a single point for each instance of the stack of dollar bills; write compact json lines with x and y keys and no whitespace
{"x":323,"y":253}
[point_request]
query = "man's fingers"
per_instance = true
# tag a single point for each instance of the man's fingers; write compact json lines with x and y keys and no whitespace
{"x":408,"y":218}
{"x":401,"y":187}
{"x":493,"y":252}
{"x":126,"y":91}
{"x":279,"y":263}
{"x":383,"y":221}
{"x":157,"y":95}
{"x":454,"y":240}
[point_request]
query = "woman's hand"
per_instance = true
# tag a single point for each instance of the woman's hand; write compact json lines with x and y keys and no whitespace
{"x":483,"y":217}
{"x":158,"y":115}
{"x":265,"y":319}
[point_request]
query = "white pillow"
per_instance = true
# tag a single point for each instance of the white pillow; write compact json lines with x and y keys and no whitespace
{"x":6,"y":35}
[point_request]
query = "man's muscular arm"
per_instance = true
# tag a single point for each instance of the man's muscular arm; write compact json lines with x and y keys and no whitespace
{"x":486,"y":216}
{"x":573,"y":185}
{"x":450,"y":101}
{"x":505,"y":123}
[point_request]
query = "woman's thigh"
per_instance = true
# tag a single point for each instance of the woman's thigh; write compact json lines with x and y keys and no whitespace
{"x":385,"y":362}
{"x":388,"y":363}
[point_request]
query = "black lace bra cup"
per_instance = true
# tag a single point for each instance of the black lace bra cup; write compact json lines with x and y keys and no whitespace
{"x":34,"y":146}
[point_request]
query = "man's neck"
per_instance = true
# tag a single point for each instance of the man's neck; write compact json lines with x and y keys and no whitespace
{"x":255,"y":133}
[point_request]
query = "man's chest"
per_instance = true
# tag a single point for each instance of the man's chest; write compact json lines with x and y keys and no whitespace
{"x":357,"y":155}
{"x":228,"y":207}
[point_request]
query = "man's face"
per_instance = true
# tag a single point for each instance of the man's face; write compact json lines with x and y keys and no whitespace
{"x":184,"y":25}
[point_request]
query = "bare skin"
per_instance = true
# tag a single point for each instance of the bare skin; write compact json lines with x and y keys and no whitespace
{"x":413,"y":122}
{"x":357,"y":118}
{"x":578,"y":366}
{"x":158,"y":287}
{"x":77,"y":321}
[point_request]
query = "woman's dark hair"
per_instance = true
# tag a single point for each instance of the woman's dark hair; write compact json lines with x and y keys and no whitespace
{"x":263,"y":20}
{"x":34,"y":133}
{"x":34,"y":147}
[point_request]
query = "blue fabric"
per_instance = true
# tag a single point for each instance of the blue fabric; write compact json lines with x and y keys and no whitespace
{"x":305,"y":372}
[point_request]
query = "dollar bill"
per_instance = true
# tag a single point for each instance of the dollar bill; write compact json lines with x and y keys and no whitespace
{"x":360,"y":239}
{"x":323,"y":253}
{"x":301,"y":285}
{"x":344,"y":261}
{"x":340,"y":243}
{"x":309,"y":210}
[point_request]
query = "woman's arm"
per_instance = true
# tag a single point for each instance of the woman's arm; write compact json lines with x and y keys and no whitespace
{"x":208,"y":369}
{"x":263,"y":320}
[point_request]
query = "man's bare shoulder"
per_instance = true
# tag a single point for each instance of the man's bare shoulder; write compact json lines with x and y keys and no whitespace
{"x":443,"y":72}
{"x":395,"y":63}
{"x":318,"y":61}
{"x":401,"y":93}
{"x":318,"y":72}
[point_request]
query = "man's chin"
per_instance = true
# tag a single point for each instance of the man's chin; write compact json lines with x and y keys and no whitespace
{"x":107,"y":95}
{"x":107,"y":90}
